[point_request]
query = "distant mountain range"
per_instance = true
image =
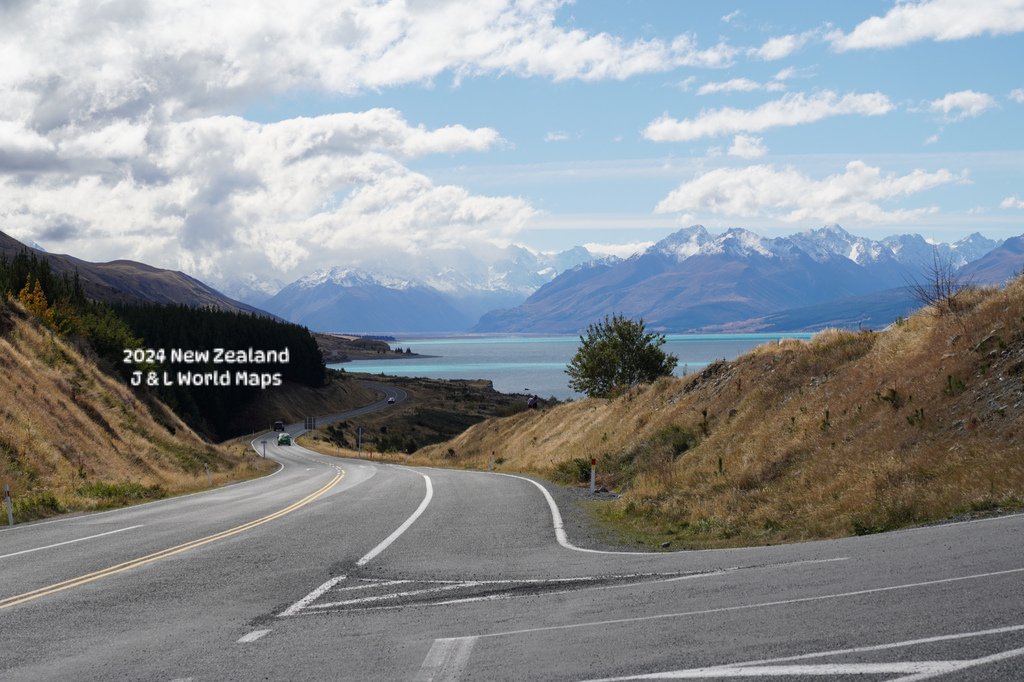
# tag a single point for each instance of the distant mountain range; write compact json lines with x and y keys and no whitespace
{"x":739,"y":281}
{"x":443,"y":290}
{"x":692,"y":280}
{"x":129,"y":281}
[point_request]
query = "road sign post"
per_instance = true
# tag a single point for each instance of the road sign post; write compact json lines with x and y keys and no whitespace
{"x":7,"y":502}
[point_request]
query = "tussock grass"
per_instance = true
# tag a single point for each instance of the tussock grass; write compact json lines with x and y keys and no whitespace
{"x":849,"y":432}
{"x":74,"y":438}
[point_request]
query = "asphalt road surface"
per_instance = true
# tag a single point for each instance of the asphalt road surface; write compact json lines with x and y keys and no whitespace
{"x":336,"y":569}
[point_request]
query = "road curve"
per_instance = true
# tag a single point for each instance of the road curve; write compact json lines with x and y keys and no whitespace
{"x":348,"y":569}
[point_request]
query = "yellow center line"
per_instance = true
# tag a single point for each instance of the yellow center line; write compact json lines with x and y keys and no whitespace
{"x":163,"y":554}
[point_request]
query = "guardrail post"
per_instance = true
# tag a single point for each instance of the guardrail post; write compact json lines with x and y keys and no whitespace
{"x":7,"y":502}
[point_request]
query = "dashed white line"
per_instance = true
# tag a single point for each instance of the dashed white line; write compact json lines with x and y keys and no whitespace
{"x":252,"y":636}
{"x":446,"y":660}
{"x":69,"y":542}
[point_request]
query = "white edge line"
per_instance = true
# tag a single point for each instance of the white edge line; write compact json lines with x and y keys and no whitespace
{"x":386,"y":542}
{"x":556,"y":519}
{"x":311,"y":597}
{"x":252,"y":636}
{"x":69,"y":542}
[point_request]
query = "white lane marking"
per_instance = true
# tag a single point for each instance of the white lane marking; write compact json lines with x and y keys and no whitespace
{"x":395,"y":595}
{"x":744,"y":607}
{"x":318,"y":592}
{"x":386,"y":542}
{"x":311,"y":597}
{"x":927,"y":670}
{"x":446,"y":659}
{"x":70,"y":542}
{"x":994,"y":658}
{"x":252,"y":636}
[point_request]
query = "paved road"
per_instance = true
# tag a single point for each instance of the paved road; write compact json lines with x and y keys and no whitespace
{"x":348,"y":569}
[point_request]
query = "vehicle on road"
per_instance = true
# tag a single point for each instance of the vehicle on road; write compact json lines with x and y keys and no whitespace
{"x":391,"y":400}
{"x":284,"y":439}
{"x":279,"y":426}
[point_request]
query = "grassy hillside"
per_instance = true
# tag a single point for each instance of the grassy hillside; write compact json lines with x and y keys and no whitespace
{"x":72,"y":437}
{"x":847,"y":433}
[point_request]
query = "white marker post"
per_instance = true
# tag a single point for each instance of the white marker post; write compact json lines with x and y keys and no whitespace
{"x":7,"y":502}
{"x":264,"y":442}
{"x":593,"y":474}
{"x":209,"y":478}
{"x":359,"y":439}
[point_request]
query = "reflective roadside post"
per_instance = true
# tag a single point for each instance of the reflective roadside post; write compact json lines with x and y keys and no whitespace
{"x":593,"y":474}
{"x":264,"y":443}
{"x":7,"y":502}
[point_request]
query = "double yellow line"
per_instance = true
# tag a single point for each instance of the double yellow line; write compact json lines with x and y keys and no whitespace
{"x":163,"y":554}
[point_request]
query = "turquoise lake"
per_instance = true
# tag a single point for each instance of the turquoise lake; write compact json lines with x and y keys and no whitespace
{"x":536,"y":364}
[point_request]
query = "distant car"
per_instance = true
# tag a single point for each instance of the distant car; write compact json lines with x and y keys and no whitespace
{"x":284,"y":439}
{"x":391,"y":400}
{"x":279,"y":426}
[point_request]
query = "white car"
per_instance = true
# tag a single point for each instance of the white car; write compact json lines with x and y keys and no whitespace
{"x":391,"y":400}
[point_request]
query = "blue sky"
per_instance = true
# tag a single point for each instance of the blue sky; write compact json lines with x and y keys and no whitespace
{"x":282,"y":140}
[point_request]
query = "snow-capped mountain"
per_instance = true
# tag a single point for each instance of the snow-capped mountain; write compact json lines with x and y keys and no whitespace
{"x":695,"y":280}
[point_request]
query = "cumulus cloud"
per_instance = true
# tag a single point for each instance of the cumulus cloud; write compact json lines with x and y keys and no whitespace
{"x":1011,"y":202}
{"x":792,"y":109}
{"x":223,"y":190}
{"x":956,"y":106}
{"x":788,"y":195}
{"x":747,"y":147}
{"x":1017,"y":95}
{"x":940,"y":20}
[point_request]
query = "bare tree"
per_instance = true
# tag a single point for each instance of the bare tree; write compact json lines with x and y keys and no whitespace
{"x":940,"y":286}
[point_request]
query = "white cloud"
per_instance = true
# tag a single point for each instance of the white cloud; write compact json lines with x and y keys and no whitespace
{"x":788,"y":195}
{"x":940,"y":20}
{"x":748,"y":147}
{"x":1011,"y":202}
{"x":556,"y":136}
{"x":687,"y":83}
{"x":619,"y":250}
{"x":792,"y":109}
{"x":731,"y":15}
{"x":221,"y":189}
{"x":956,"y":106}
{"x":67,"y":62}
{"x":785,"y":74}
{"x":932,"y":139}
{"x":740,"y":85}
{"x":781,"y":47}
{"x":1017,"y":95}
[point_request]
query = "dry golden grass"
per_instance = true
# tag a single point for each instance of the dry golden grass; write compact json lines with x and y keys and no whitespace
{"x":850,"y":432}
{"x":72,"y":437}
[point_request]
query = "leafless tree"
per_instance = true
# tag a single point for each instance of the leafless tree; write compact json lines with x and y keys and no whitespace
{"x":940,"y":285}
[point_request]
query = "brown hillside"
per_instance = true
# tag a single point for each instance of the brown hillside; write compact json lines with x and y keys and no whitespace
{"x":847,"y":433}
{"x":72,"y":437}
